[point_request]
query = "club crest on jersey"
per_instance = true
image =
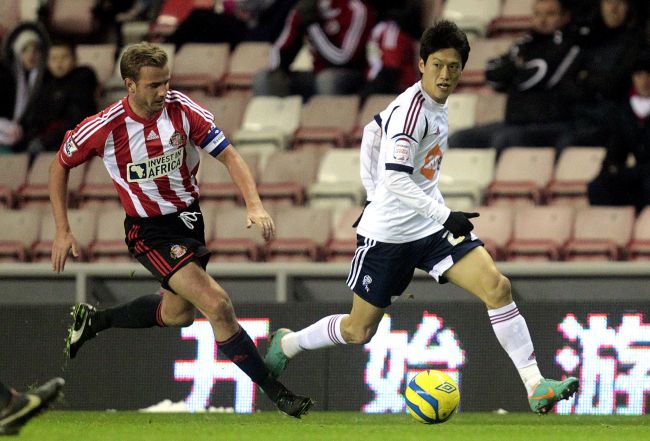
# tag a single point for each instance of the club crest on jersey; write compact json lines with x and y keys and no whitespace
{"x":177,"y":139}
{"x":153,"y":168}
{"x":69,"y":147}
{"x":177,"y":251}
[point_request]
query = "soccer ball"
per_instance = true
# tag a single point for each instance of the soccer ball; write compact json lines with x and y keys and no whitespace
{"x":432,"y":397}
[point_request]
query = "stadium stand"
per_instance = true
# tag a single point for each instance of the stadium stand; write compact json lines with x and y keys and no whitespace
{"x":18,"y":231}
{"x":639,"y":246}
{"x":338,"y":178}
{"x":301,"y":234}
{"x":515,"y":17}
{"x":99,"y":57}
{"x":82,"y":221}
{"x":108,"y":245}
{"x":270,"y":119}
{"x":200,"y":66}
{"x":228,"y":111}
{"x":540,"y":232}
{"x":490,"y":107}
{"x":601,"y":233}
{"x":462,"y":110}
{"x":35,"y":189}
{"x":72,"y":17}
{"x":343,"y":243}
{"x":494,"y":227}
{"x":288,"y":174}
{"x":13,"y":170}
{"x":473,"y":16}
{"x":246,"y":60}
{"x":372,"y":106}
{"x":466,"y":175}
{"x":575,"y":168}
{"x":215,"y":181}
{"x":97,"y":185}
{"x":230,"y":240}
{"x":482,"y":50}
{"x":328,"y":118}
{"x":521,"y":175}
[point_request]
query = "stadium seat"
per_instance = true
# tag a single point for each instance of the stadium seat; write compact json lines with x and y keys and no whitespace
{"x":72,"y":17}
{"x":9,"y":16}
{"x":99,"y":57}
{"x":301,"y":234}
{"x":83,"y":223}
{"x":494,"y":227}
{"x":575,"y":168}
{"x":18,"y":231}
{"x":516,"y":16}
{"x":263,"y":150}
{"x":247,"y":59}
{"x":462,"y":110}
{"x":270,"y":119}
{"x":338,"y":177}
{"x":490,"y":108}
{"x":288,"y":174}
{"x":601,"y":233}
{"x":344,"y":237}
{"x":639,"y":246}
{"x":466,"y":173}
{"x":200,"y":66}
{"x":173,"y":13}
{"x":228,"y":111}
{"x":372,"y":106}
{"x":472,"y":16}
{"x":97,"y":185}
{"x":483,"y":49}
{"x":522,"y":173}
{"x":35,"y":188}
{"x":231,"y":240}
{"x":215,"y":181}
{"x":328,"y":118}
{"x":540,"y":232}
{"x":13,"y":170}
{"x":109,"y":242}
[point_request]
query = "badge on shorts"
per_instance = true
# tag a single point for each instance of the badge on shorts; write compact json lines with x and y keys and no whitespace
{"x":177,"y":251}
{"x":367,"y":280}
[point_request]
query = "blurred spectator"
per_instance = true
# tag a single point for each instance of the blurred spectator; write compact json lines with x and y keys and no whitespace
{"x":629,"y":133}
{"x":535,"y":74}
{"x":393,"y":50}
{"x":337,"y":31}
{"x":67,"y":96}
{"x":21,"y":74}
{"x":604,"y":66}
{"x":240,"y":20}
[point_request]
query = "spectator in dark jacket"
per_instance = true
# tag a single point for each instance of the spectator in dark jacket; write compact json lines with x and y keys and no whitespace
{"x":337,"y":31}
{"x":603,"y":71}
{"x":21,"y":74}
{"x":535,"y":74}
{"x":629,"y":133}
{"x":66,"y":97}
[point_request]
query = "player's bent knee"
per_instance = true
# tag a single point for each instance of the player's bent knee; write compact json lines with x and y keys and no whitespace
{"x":357,"y":335}
{"x":498,"y":291}
{"x":181,"y":320}
{"x":218,"y":307}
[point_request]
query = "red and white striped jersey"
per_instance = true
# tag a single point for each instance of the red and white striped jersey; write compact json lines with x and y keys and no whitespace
{"x":153,"y":163}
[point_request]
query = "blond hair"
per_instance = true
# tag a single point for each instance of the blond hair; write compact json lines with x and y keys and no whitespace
{"x":140,"y":55}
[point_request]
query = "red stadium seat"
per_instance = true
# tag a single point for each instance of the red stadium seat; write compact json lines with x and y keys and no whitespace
{"x":639,"y":247}
{"x":344,"y":237}
{"x":540,"y":232}
{"x":301,"y":234}
{"x":494,"y":227}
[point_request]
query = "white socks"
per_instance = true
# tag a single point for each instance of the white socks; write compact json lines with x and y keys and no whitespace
{"x":512,"y":332}
{"x":324,"y":333}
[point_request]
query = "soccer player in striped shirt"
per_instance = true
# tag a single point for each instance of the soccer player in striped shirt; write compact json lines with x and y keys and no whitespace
{"x":407,"y":226}
{"x":149,"y":142}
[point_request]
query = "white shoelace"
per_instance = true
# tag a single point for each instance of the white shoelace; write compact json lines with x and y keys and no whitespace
{"x":188,"y":217}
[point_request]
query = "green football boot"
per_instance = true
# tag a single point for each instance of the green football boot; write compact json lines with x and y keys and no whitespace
{"x":275,"y":360}
{"x":550,"y":392}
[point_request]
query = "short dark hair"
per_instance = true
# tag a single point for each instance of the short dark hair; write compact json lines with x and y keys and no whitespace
{"x":444,"y":35}
{"x":140,"y":55}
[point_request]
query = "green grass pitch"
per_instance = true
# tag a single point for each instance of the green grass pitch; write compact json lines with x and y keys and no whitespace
{"x":269,"y":426}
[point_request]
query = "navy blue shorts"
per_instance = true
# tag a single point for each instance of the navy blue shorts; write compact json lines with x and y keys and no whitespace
{"x":164,"y":244}
{"x":381,"y":270}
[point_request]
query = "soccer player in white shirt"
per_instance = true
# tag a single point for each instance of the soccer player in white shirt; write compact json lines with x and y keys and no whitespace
{"x":149,"y":142}
{"x":407,"y":226}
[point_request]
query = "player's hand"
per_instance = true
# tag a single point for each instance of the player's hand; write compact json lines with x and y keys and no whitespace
{"x":263,"y":220}
{"x":458,"y":223}
{"x":63,"y":243}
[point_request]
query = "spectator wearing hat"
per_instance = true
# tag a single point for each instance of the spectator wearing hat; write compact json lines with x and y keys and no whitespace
{"x":629,"y":133}
{"x":21,"y":74}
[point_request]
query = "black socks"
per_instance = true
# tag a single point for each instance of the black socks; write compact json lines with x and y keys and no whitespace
{"x":143,"y":312}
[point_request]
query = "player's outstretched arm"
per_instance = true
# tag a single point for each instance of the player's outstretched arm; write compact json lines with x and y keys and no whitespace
{"x":64,"y":241}
{"x":243,"y":179}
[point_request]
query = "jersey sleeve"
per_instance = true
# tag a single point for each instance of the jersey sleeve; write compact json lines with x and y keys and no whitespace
{"x":203,"y":130}
{"x":403,"y":135}
{"x":83,"y":142}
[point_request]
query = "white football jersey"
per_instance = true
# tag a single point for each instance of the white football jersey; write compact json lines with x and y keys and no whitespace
{"x":413,"y":140}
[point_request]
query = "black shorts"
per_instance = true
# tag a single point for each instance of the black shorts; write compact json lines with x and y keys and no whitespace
{"x":164,"y":244}
{"x":380,"y":270}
